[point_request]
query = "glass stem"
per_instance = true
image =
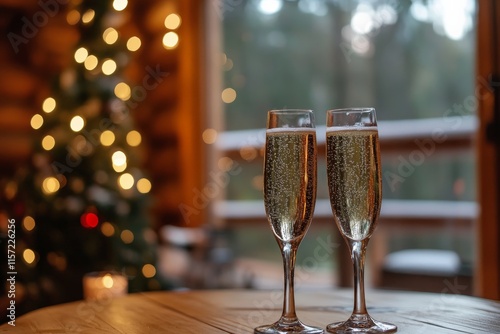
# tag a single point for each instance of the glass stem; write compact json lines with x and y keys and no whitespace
{"x":358,"y":260}
{"x":288,"y":251}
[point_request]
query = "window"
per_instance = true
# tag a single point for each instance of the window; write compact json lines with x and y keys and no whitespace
{"x":413,"y":61}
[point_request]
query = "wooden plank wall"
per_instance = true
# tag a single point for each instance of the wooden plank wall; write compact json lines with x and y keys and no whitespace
{"x":32,"y":51}
{"x":169,"y":115}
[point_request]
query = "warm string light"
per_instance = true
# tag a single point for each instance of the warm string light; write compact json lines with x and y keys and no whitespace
{"x":48,"y":142}
{"x":144,"y":186}
{"x":209,"y":136}
{"x":29,"y":223}
{"x":126,"y":181}
{"x":123,"y":91}
{"x":133,"y":43}
{"x":91,"y":62}
{"x":110,"y":35}
{"x":119,"y":161}
{"x":88,"y":16}
{"x":107,"y":229}
{"x":48,"y":105}
{"x":127,"y":236}
{"x":120,"y":5}
{"x":73,"y":17}
{"x":77,"y":123}
{"x":228,"y":95}
{"x":148,"y":270}
{"x":172,"y":21}
{"x":134,"y":138}
{"x":108,"y":66}
{"x":29,"y":256}
{"x":36,"y":121}
{"x":50,"y":185}
{"x":81,"y":54}
{"x":171,"y":38}
{"x":107,"y":138}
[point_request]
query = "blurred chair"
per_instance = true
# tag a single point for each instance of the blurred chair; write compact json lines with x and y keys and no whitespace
{"x":429,"y":270}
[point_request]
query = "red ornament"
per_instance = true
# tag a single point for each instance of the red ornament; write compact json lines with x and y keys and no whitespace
{"x":89,"y":220}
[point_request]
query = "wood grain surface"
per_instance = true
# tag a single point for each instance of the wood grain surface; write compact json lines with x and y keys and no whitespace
{"x":239,"y":311}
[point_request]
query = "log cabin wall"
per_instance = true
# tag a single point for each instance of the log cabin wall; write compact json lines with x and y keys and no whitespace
{"x":33,"y":49}
{"x":167,"y":105}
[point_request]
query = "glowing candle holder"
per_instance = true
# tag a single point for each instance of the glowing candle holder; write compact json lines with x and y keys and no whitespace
{"x":104,"y":285}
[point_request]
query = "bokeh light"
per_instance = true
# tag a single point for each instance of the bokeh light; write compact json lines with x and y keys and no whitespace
{"x":110,"y":36}
{"x":50,"y":185}
{"x":170,"y":40}
{"x":81,"y":54}
{"x":127,"y":236}
{"x":209,"y":136}
{"x":88,"y":16}
{"x":133,"y":43}
{"x":172,"y":21}
{"x":108,"y":66}
{"x":107,"y":229}
{"x":123,"y":91}
{"x":119,"y":158}
{"x":228,"y":95}
{"x":77,"y":123}
{"x":48,"y":142}
{"x":120,"y":5}
{"x":126,"y":181}
{"x":107,"y":138}
{"x":148,"y":270}
{"x":144,"y":186}
{"x":29,"y":223}
{"x":29,"y":256}
{"x":134,"y":138}
{"x":91,"y":62}
{"x":73,"y":17}
{"x":89,"y":220}
{"x":48,"y":105}
{"x":36,"y":121}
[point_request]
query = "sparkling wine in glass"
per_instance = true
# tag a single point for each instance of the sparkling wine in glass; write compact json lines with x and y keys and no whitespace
{"x":289,"y":198}
{"x":354,"y":184}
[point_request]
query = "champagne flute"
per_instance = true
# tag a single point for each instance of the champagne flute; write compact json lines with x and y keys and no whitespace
{"x":354,"y":184}
{"x":289,"y":197}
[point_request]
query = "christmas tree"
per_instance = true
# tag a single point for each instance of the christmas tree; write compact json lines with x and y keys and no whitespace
{"x":80,"y":205}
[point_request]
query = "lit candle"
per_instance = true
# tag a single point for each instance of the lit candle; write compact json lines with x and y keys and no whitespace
{"x":104,"y":285}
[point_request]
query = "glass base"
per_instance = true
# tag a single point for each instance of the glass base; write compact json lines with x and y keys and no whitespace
{"x":295,"y":327}
{"x":361,"y":323}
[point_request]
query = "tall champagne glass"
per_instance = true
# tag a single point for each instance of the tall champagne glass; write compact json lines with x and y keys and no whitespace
{"x":354,"y":184}
{"x":289,"y":197}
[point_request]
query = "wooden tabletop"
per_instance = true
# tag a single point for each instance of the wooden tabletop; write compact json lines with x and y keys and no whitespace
{"x":239,"y":311}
